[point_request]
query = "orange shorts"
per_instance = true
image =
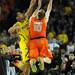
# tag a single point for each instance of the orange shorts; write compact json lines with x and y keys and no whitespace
{"x":39,"y":47}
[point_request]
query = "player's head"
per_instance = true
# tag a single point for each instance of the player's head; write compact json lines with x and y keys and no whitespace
{"x":41,"y":14}
{"x":71,"y":56}
{"x":20,"y":16}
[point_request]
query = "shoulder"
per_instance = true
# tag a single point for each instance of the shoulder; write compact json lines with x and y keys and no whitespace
{"x":32,"y":19}
{"x":44,"y":20}
{"x":17,"y":23}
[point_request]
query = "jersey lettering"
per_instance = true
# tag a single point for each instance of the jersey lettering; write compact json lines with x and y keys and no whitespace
{"x":38,"y":26}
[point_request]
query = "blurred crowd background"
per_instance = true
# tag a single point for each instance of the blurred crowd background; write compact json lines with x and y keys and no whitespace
{"x":60,"y":31}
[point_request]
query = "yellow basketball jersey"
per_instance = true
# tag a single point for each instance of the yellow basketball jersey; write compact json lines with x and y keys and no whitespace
{"x":24,"y":38}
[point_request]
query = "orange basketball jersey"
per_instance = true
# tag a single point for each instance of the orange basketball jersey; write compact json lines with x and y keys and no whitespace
{"x":37,"y":28}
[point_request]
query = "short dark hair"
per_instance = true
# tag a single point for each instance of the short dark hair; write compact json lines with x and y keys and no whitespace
{"x":41,"y":13}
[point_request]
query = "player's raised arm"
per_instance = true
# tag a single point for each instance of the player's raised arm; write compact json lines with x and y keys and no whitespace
{"x":49,"y":8}
{"x":37,"y":9}
{"x":30,"y":9}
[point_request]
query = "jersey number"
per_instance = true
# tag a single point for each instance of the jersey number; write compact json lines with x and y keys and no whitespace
{"x":37,"y":27}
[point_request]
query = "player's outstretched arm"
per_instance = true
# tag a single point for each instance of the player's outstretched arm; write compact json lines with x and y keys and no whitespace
{"x":30,"y":9}
{"x":49,"y":8}
{"x":37,"y":9}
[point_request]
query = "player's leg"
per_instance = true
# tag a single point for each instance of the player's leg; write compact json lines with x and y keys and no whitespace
{"x":33,"y":54}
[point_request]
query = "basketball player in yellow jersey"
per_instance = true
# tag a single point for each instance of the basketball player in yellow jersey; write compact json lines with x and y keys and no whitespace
{"x":20,"y":27}
{"x":22,"y":32}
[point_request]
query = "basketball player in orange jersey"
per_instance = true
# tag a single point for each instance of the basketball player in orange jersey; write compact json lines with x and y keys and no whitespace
{"x":38,"y":44}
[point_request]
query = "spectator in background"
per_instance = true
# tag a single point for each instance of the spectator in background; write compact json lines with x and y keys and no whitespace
{"x":73,"y":66}
{"x":70,"y":48}
{"x":63,"y":64}
{"x":63,"y":38}
{"x":67,"y":10}
{"x":53,"y":45}
{"x":51,"y":35}
{"x":3,"y":47}
{"x":70,"y":58}
{"x":4,"y":36}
